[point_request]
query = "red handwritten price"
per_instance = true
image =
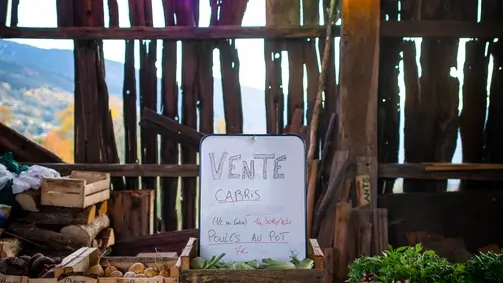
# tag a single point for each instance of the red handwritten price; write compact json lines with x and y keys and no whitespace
{"x":240,"y":250}
{"x":275,"y":221}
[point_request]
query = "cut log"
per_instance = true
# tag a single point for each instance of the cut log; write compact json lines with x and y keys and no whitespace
{"x":61,"y":216}
{"x":132,"y":213}
{"x":29,"y":200}
{"x":162,"y":242}
{"x":9,"y":247}
{"x":47,"y":238}
{"x":85,"y":234}
{"x":106,"y":238}
{"x":102,"y":208}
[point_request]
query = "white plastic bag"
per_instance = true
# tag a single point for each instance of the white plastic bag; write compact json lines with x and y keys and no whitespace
{"x":32,"y":178}
{"x":5,"y":176}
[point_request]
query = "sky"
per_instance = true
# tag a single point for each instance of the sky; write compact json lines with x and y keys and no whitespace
{"x":252,"y":63}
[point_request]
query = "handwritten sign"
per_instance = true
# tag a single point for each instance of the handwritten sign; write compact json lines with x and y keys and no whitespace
{"x":253,"y":197}
{"x":363,"y":190}
{"x":4,"y":278}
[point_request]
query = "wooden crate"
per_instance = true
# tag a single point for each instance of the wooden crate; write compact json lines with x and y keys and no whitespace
{"x":187,"y":275}
{"x":137,"y":280}
{"x":80,"y":189}
{"x":65,"y":279}
{"x":78,"y":261}
{"x":122,"y":263}
{"x":4,"y":278}
{"x":132,"y":213}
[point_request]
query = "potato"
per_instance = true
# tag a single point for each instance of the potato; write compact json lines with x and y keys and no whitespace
{"x":40,"y":265}
{"x":140,"y":275}
{"x":129,"y":274}
{"x":115,"y":273}
{"x":137,"y":267}
{"x":26,"y":258}
{"x":14,"y":266}
{"x":96,"y":270}
{"x":164,"y":273}
{"x":33,"y":258}
{"x":109,"y":269}
{"x":150,"y":272}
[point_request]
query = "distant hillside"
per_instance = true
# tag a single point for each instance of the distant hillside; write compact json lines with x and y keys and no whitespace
{"x":37,"y":83}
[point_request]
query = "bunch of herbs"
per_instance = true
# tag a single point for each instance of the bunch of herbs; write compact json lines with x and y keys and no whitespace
{"x":485,"y":267}
{"x":406,"y":264}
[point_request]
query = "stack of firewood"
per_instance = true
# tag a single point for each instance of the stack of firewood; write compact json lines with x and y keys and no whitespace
{"x":67,"y":213}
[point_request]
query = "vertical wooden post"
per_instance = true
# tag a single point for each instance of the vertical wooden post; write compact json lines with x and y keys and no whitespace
{"x":358,"y":89}
{"x":278,"y":13}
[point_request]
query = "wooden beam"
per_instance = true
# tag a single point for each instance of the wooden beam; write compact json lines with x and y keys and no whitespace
{"x":426,"y":172}
{"x":129,"y":170}
{"x":170,"y":128}
{"x":22,"y":148}
{"x":358,"y":101}
{"x":456,"y":29}
{"x":386,"y":170}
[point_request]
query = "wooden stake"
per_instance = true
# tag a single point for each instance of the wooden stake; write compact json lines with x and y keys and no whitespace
{"x":321,"y":86}
{"x":342,"y":213}
{"x":311,"y":189}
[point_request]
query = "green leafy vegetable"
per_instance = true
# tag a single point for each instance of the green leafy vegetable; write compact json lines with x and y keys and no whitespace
{"x":305,"y":264}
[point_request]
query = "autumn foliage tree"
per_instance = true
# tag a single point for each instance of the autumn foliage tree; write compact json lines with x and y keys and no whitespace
{"x":5,"y":115}
{"x":61,"y":140}
{"x":220,"y":126}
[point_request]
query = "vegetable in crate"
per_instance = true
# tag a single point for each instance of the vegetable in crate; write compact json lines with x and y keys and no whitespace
{"x":267,"y":263}
{"x":242,"y":266}
{"x":36,"y":266}
{"x":136,"y":270}
{"x":305,"y":264}
{"x":272,"y":264}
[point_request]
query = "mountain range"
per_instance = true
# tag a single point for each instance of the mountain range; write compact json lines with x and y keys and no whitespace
{"x":36,"y":84}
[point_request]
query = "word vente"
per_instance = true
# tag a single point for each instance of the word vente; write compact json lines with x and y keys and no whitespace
{"x":243,"y":169}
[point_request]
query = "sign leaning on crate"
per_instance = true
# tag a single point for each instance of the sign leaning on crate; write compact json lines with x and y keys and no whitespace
{"x":253,"y":197}
{"x":252,"y":213}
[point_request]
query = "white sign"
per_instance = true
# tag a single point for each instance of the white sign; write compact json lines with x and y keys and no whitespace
{"x":253,"y":197}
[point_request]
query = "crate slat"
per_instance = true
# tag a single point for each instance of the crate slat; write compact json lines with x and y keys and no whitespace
{"x":80,"y":189}
{"x":187,"y":275}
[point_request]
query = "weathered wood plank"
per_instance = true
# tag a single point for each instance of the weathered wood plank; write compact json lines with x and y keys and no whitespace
{"x":246,"y":276}
{"x":473,"y":116}
{"x":128,"y":170}
{"x":129,"y":98}
{"x":455,"y":171}
{"x":491,"y":11}
{"x":453,"y":29}
{"x":22,"y":148}
{"x":168,"y":127}
{"x":14,"y":17}
{"x":358,"y":101}
{"x":169,"y":105}
{"x":389,"y":109}
{"x":190,"y":97}
{"x":386,"y":170}
{"x":162,"y":242}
